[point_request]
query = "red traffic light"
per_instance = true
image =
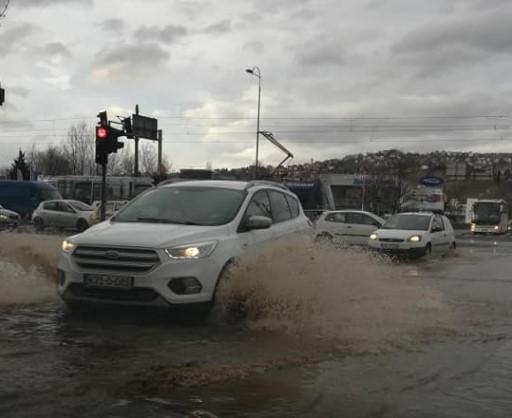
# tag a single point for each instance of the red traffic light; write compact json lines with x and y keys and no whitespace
{"x":101,"y":133}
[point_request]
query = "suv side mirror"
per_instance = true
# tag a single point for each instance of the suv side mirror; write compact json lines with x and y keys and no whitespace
{"x":436,"y":229}
{"x":258,"y":222}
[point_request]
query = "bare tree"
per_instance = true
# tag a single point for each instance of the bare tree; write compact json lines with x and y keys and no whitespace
{"x":51,"y":162}
{"x":127,"y":161}
{"x":121,"y":163}
{"x":149,"y":158}
{"x":80,"y":149}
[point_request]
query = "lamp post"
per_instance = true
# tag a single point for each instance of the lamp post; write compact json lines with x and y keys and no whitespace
{"x":255,"y":71}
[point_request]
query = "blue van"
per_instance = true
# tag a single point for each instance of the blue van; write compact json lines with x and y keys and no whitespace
{"x":24,"y":197}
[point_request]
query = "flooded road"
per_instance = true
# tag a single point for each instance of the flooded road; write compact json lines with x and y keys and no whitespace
{"x":338,"y":335}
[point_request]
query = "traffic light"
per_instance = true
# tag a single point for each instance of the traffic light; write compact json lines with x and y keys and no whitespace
{"x":127,"y":125}
{"x":107,"y":139}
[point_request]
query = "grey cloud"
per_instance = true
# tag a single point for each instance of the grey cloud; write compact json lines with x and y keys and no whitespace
{"x":489,"y":4}
{"x":276,"y":6}
{"x":320,"y":54}
{"x":56,"y":49}
{"x":167,"y":34}
{"x":444,"y":59}
{"x":45,"y":3}
{"x":19,"y":91}
{"x":256,"y":46}
{"x":13,"y":38}
{"x":490,"y":32}
{"x":218,"y":28}
{"x":112,"y":25}
{"x":129,"y":57}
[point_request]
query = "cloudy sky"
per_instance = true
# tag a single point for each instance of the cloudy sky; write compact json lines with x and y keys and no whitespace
{"x":338,"y":77}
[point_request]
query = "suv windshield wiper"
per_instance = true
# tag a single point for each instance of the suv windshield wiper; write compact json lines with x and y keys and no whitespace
{"x":155,"y":220}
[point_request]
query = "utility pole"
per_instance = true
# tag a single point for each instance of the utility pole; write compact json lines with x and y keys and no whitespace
{"x":136,"y":139}
{"x":160,"y":152}
{"x":255,"y":71}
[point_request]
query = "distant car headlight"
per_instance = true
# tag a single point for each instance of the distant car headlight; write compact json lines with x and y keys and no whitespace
{"x":68,"y":246}
{"x":473,"y":227}
{"x":414,"y":238}
{"x":4,"y":217}
{"x":373,"y":237}
{"x":191,"y":251}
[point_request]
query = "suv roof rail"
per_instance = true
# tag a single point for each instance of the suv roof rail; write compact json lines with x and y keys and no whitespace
{"x":255,"y":183}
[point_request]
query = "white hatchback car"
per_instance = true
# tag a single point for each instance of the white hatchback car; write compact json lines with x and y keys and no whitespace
{"x":172,"y":244}
{"x":352,"y":227}
{"x":414,"y":234}
{"x":69,"y":214}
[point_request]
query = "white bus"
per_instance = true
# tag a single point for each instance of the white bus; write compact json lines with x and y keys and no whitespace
{"x":489,"y":216}
{"x":88,"y":188}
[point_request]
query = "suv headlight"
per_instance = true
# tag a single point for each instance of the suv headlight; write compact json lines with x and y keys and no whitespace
{"x":68,"y":246}
{"x":414,"y":238}
{"x":191,"y":251}
{"x":373,"y":237}
{"x":3,"y":217}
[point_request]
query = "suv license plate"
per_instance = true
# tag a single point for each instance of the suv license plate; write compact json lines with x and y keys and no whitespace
{"x":108,"y":281}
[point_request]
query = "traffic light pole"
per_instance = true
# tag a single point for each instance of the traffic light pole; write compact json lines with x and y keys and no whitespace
{"x":160,"y":169}
{"x":136,"y":139}
{"x":103,"y":190}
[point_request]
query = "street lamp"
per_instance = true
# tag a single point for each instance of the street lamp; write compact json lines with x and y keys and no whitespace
{"x":255,"y":71}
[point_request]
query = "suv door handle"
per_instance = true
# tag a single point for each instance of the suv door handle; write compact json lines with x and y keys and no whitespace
{"x":349,"y":226}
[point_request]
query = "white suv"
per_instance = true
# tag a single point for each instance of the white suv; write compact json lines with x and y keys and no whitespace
{"x":171,"y":245}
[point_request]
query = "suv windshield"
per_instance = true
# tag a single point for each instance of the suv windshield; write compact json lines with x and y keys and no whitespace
{"x":80,"y":205}
{"x":184,"y":205}
{"x":409,"y":222}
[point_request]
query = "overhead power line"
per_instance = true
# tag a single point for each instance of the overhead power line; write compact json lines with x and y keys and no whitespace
{"x":299,"y":117}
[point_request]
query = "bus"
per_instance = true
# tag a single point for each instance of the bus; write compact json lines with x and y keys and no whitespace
{"x":88,"y":188}
{"x":489,"y":216}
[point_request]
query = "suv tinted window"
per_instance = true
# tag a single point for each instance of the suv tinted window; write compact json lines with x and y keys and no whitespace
{"x":336,"y":217}
{"x":50,"y":206}
{"x":280,"y":208}
{"x":259,"y":205}
{"x":294,"y":205}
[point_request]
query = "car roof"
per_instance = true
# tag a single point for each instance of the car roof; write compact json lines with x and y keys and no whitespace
{"x":415,"y":213}
{"x":350,"y":210}
{"x":228,"y":184}
{"x":224,"y":184}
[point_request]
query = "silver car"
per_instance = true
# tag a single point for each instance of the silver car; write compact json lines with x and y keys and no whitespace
{"x":351,"y":227}
{"x":8,"y":218}
{"x":65,"y":214}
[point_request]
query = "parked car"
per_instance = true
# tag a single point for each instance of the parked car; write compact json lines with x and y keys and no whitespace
{"x":414,"y":234}
{"x":111,"y":207}
{"x":171,"y":245}
{"x":63,"y":214}
{"x":8,"y":218}
{"x":24,"y":197}
{"x":352,"y":227}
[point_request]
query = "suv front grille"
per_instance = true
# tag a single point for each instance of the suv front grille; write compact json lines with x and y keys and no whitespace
{"x":115,"y":258}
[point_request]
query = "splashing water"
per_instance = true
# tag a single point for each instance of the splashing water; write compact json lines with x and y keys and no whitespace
{"x":331,"y":293}
{"x":27,"y":268}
